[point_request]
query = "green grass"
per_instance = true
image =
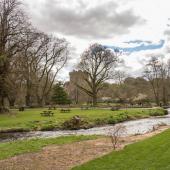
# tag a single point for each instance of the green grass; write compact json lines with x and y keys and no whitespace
{"x":150,"y":154}
{"x":11,"y":149}
{"x":32,"y":120}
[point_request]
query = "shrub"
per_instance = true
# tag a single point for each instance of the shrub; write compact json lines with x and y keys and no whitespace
{"x":75,"y":123}
{"x":158,"y":113}
{"x":48,"y":127}
{"x":165,"y":112}
{"x":99,"y":121}
{"x":115,"y":108}
{"x":111,"y":120}
{"x":115,"y":135}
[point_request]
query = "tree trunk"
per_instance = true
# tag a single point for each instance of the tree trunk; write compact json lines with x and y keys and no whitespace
{"x":94,"y":98}
{"x":28,"y":93}
{"x":157,"y":101}
{"x":11,"y":102}
{"x":77,"y":96}
{"x":164,"y":97}
{"x":3,"y":109}
{"x":40,"y":101}
{"x":28,"y":99}
{"x":156,"y":94}
{"x":3,"y":90}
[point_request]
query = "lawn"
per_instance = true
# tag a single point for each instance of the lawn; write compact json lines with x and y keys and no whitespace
{"x":11,"y":149}
{"x":150,"y":154}
{"x":32,"y":120}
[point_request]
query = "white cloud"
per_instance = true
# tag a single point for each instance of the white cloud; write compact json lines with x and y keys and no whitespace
{"x":123,"y":26}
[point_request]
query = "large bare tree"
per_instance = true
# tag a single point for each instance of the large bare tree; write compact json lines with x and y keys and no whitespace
{"x":54,"y":60}
{"x":42,"y":57}
{"x":98,"y":64}
{"x":151,"y":73}
{"x":157,"y":73}
{"x":12,"y":23}
{"x":29,"y":58}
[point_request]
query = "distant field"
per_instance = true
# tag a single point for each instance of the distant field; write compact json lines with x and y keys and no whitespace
{"x":150,"y":154}
{"x":32,"y":120}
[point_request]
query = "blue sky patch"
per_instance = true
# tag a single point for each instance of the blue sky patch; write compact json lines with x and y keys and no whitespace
{"x":143,"y":46}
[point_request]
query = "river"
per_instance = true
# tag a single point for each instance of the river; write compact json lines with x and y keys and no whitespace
{"x":133,"y":127}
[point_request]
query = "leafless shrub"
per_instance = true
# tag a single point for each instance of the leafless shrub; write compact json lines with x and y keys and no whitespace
{"x":115,"y":135}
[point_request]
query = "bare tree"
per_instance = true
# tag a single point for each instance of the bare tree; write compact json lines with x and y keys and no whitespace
{"x":12,"y":24}
{"x":151,"y":73}
{"x":164,"y":75}
{"x":27,"y":57}
{"x":157,"y":73}
{"x":42,"y":58}
{"x":55,"y":59}
{"x":120,"y":76}
{"x":98,"y":64}
{"x":14,"y":81}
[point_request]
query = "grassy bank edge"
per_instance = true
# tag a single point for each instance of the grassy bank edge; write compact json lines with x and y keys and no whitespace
{"x":113,"y":119}
{"x":151,"y":154}
{"x":10,"y":149}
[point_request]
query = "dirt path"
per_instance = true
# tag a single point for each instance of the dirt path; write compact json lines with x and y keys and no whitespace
{"x":67,"y":156}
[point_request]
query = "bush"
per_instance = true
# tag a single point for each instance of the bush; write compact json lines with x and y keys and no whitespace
{"x":75,"y":123}
{"x":112,"y":121}
{"x":115,"y":108}
{"x":158,"y":113}
{"x":154,"y":114}
{"x":166,"y":112}
{"x":99,"y":121}
{"x":118,"y":118}
{"x":48,"y":127}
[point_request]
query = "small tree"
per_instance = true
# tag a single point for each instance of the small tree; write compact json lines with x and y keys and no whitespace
{"x":59,"y":95}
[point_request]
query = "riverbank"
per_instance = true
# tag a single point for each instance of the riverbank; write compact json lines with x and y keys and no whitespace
{"x":151,"y":153}
{"x":67,"y":156}
{"x":31,"y":119}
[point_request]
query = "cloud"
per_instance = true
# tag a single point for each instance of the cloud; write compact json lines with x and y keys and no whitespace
{"x":143,"y":46}
{"x":138,"y":42}
{"x":167,"y":32}
{"x":81,"y":19}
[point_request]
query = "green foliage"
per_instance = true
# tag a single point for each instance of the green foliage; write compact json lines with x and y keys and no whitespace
{"x":118,"y":118}
{"x":31,"y":119}
{"x":99,"y":121}
{"x":24,"y":146}
{"x":158,"y":113}
{"x":75,"y":122}
{"x":150,"y":154}
{"x":59,"y":95}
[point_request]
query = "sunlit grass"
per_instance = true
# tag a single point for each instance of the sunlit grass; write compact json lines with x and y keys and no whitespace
{"x":32,"y":120}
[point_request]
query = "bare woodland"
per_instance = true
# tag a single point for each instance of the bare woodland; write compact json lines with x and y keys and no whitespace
{"x":30,"y":61}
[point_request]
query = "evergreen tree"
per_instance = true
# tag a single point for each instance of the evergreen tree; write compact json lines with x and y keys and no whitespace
{"x":59,"y":95}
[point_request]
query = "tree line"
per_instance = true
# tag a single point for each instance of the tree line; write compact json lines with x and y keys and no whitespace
{"x":30,"y":61}
{"x":151,"y":87}
{"x":29,"y":58}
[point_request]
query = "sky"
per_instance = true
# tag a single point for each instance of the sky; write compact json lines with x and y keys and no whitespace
{"x":140,"y":28}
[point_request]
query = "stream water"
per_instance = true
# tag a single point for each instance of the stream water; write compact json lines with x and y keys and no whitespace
{"x":132,"y":127}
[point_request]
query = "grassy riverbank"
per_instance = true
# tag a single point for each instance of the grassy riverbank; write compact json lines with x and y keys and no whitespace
{"x":11,"y":149}
{"x":32,"y":120}
{"x":150,"y":154}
